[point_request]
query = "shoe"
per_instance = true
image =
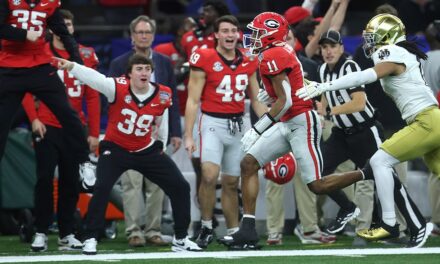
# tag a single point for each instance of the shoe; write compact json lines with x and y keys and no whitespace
{"x":315,"y":237}
{"x":69,"y":242}
{"x":136,"y":241}
{"x":359,"y":242}
{"x":156,"y":241}
{"x":400,"y":241}
{"x":367,"y":171}
{"x":87,"y":173}
{"x":89,"y":247}
{"x":243,"y":239}
{"x":184,"y":244}
{"x":205,"y":237}
{"x":418,"y":239}
{"x":274,"y":239}
{"x":40,"y":242}
{"x":342,"y":219}
{"x":380,"y":232}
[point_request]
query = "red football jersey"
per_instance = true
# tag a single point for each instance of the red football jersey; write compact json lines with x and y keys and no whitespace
{"x":75,"y":91}
{"x":276,"y":60}
{"x":224,"y":90}
{"x":190,"y":42}
{"x":18,"y":54}
{"x":130,"y":122}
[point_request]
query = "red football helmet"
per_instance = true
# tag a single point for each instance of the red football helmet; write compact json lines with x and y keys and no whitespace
{"x":268,"y":29}
{"x":281,"y":170}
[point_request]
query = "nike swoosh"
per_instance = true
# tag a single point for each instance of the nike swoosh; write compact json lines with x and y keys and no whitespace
{"x":244,"y":64}
{"x":45,"y":4}
{"x":153,"y":105}
{"x":180,"y":244}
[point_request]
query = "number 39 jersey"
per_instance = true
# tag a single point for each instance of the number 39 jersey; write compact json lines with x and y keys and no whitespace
{"x":276,"y":60}
{"x":225,"y":86}
{"x":21,"y":15}
{"x":131,"y":121}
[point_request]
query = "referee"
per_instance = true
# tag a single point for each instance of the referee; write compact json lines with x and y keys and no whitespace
{"x":356,"y":135}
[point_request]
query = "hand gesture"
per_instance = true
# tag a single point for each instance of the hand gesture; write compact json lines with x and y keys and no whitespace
{"x":32,"y":36}
{"x":38,"y":128}
{"x":311,"y":90}
{"x":63,"y":64}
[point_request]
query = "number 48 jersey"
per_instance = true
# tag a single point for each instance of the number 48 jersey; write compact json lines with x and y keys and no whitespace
{"x":131,"y":121}
{"x":225,"y":86}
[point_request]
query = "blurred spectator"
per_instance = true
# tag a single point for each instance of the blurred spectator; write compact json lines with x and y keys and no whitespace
{"x":121,"y":12}
{"x":417,"y":14}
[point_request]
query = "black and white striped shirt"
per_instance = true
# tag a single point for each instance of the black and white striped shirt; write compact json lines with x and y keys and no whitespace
{"x":335,"y":98}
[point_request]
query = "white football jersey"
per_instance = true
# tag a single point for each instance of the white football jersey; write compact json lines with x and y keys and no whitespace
{"x":408,"y":90}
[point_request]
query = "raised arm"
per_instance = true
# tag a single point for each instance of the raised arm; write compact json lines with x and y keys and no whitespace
{"x":89,"y":76}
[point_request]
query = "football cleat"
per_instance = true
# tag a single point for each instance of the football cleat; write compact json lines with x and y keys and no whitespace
{"x":380,"y":232}
{"x":40,"y":242}
{"x":418,"y":239}
{"x":89,"y":247}
{"x":87,"y":173}
{"x":243,"y":239}
{"x":69,"y":242}
{"x":342,"y":219}
{"x":205,"y":237}
{"x":184,"y":244}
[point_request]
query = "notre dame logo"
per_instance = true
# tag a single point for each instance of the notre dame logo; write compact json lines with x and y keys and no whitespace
{"x":384,"y":54}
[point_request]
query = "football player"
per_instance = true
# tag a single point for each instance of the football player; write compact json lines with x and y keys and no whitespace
{"x":290,"y":125}
{"x":51,"y":150}
{"x":397,"y":65}
{"x":129,"y":143}
{"x":219,"y":81}
{"x":25,"y":67}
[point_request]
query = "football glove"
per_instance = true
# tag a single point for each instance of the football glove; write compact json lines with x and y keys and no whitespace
{"x":264,"y":97}
{"x":311,"y":90}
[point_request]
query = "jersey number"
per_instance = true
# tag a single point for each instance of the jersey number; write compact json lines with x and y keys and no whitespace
{"x":133,"y":123}
{"x":272,"y":66}
{"x":29,"y":20}
{"x":241,"y":82}
{"x":73,"y":86}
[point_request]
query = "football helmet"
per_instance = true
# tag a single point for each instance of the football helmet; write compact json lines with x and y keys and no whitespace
{"x":267,"y":29}
{"x":281,"y":170}
{"x":383,"y":29}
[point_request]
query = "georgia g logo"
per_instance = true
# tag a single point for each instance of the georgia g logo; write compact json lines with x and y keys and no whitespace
{"x":272,"y":23}
{"x":282,"y":170}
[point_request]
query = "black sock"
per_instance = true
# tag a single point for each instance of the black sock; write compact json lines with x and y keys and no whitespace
{"x":248,"y":223}
{"x":342,"y":200}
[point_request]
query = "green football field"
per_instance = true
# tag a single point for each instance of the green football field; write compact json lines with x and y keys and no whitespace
{"x":292,"y":251}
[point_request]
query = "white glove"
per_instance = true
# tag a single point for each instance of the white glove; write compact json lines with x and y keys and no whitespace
{"x":311,"y":90}
{"x":264,"y":97}
{"x":249,"y":138}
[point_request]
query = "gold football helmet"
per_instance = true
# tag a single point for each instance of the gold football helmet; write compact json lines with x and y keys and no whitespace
{"x":383,"y":29}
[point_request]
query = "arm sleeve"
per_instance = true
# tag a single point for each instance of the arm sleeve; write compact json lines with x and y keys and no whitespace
{"x":29,"y":107}
{"x":7,"y":31}
{"x":95,"y":80}
{"x":353,"y":79}
{"x":58,"y":27}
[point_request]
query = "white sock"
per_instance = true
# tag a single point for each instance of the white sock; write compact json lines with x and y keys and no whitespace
{"x":389,"y":218}
{"x":207,"y":223}
{"x":231,"y":231}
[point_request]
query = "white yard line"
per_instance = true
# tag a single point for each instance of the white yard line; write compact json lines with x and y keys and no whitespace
{"x":225,"y":254}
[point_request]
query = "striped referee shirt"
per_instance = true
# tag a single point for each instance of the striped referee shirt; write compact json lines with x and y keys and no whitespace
{"x":335,"y":98}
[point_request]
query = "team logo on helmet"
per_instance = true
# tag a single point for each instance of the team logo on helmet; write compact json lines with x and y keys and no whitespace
{"x":272,"y":23}
{"x":282,"y":170}
{"x":16,"y":2}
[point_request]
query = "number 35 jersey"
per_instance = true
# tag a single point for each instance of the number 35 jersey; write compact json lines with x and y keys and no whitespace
{"x":21,"y":15}
{"x":226,"y":82}
{"x":131,"y":121}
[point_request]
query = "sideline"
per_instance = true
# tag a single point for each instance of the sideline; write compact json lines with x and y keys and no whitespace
{"x":224,"y":254}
